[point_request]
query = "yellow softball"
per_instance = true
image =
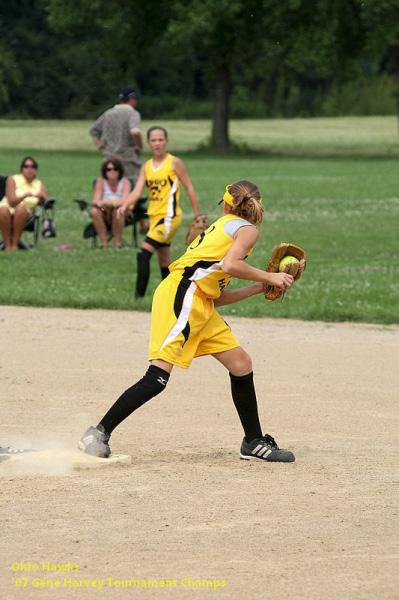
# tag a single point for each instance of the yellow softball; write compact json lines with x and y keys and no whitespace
{"x":285,"y":260}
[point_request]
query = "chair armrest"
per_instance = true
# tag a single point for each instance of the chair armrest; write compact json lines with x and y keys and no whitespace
{"x":49,"y":203}
{"x":82,"y":204}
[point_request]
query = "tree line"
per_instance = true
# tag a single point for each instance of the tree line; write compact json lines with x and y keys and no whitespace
{"x":213,"y":59}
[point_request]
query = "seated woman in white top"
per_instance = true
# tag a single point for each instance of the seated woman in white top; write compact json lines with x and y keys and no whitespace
{"x":110,"y":191}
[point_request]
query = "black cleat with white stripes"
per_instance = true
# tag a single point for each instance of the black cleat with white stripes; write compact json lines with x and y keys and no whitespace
{"x":265,"y":449}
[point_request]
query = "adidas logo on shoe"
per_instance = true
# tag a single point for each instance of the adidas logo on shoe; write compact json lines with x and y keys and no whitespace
{"x":265,"y":449}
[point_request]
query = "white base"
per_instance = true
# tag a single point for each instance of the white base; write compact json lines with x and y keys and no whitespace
{"x":86,"y":461}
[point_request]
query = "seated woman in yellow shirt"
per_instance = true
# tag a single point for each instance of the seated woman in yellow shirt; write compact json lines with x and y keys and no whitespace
{"x":23,"y":193}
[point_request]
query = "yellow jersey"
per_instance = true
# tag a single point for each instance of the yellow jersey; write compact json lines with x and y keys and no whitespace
{"x":202,"y":262}
{"x":163,"y":187}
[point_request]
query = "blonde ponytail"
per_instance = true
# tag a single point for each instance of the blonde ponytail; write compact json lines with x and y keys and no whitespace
{"x":246,"y":201}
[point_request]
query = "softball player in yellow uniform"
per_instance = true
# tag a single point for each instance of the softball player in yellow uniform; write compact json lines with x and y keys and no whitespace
{"x":162,"y":175}
{"x":185,"y":323}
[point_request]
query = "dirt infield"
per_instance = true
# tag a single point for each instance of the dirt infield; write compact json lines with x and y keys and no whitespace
{"x":186,"y":518}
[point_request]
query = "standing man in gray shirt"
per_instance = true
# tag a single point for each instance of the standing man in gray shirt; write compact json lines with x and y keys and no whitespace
{"x":116,"y":132}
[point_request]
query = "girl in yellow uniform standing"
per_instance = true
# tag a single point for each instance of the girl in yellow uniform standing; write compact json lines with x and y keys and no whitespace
{"x":186,"y":325}
{"x":162,"y":175}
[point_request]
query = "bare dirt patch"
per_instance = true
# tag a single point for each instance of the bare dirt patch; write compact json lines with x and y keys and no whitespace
{"x":186,"y":513}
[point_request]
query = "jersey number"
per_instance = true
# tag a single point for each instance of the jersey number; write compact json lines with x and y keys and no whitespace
{"x":201,"y":237}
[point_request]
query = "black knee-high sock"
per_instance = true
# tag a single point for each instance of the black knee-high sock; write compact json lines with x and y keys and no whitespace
{"x":244,"y":398}
{"x":164,"y":272}
{"x":143,"y":271}
{"x":152,"y":384}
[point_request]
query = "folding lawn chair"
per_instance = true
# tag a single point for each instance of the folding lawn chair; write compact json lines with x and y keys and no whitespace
{"x":42,"y":215}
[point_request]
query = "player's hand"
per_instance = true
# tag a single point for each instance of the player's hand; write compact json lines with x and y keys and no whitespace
{"x":282,"y":281}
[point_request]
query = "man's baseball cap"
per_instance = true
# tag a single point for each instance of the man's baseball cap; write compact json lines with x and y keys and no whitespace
{"x":129,"y":92}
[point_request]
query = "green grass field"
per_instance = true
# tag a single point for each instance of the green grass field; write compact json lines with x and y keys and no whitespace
{"x":329,"y":185}
{"x":344,"y":136}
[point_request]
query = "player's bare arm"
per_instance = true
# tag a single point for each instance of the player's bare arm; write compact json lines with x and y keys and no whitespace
{"x":235,"y":265}
{"x":134,"y":194}
{"x":125,"y":192}
{"x":181,"y":172}
{"x":232,"y":296}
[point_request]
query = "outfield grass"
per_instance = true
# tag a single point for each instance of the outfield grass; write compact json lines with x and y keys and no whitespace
{"x":342,"y":209}
{"x":364,"y":136}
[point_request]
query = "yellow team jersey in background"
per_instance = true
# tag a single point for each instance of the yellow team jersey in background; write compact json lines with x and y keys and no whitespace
{"x":203,"y":259}
{"x":163,"y":189}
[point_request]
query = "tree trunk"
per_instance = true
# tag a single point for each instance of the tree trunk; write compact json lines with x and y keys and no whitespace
{"x":220,"y":127}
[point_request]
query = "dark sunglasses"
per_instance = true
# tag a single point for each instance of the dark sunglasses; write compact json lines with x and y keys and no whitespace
{"x":29,"y":166}
{"x":111,"y":169}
